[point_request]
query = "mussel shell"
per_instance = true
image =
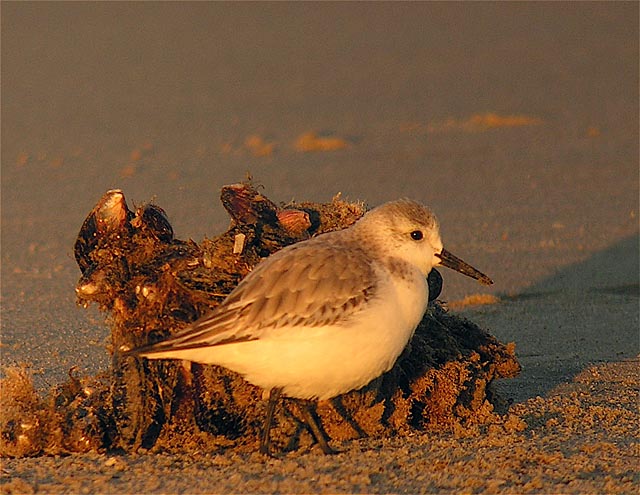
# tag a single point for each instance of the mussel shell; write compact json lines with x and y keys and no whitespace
{"x":154,"y":220}
{"x":295,"y":222}
{"x":247,"y":206}
{"x":109,"y":216}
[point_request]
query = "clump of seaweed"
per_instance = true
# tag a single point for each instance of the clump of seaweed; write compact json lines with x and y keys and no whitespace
{"x":152,"y":285}
{"x":73,"y":417}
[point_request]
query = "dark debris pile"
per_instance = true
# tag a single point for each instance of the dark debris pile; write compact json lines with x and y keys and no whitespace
{"x":151,"y":284}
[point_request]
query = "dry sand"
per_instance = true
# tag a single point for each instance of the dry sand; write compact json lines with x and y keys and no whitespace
{"x":518,"y":123}
{"x":581,"y":438}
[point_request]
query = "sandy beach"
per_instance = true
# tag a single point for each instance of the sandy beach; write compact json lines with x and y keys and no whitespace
{"x":517,"y":123}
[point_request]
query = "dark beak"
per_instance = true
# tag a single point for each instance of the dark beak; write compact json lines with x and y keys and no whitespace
{"x":450,"y":261}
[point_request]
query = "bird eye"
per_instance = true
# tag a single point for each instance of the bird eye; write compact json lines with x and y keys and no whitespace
{"x":417,"y":235}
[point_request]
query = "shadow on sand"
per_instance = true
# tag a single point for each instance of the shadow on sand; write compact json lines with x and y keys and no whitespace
{"x":585,"y":313}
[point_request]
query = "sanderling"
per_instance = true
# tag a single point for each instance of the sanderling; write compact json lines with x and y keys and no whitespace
{"x":324,"y":316}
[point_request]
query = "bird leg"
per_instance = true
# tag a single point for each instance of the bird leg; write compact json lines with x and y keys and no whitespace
{"x":265,"y":441}
{"x":319,"y":434}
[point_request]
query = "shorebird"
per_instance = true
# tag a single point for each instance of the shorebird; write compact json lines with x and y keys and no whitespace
{"x":324,"y":316}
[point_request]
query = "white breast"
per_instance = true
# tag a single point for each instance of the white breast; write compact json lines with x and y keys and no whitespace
{"x":326,"y":361}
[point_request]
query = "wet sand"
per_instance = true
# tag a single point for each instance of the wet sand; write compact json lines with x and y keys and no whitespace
{"x":517,"y":123}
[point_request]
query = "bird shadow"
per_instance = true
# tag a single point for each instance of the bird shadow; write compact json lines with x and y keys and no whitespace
{"x":585,"y":313}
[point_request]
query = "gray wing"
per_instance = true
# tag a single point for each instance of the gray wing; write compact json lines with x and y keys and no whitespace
{"x":311,"y":283}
